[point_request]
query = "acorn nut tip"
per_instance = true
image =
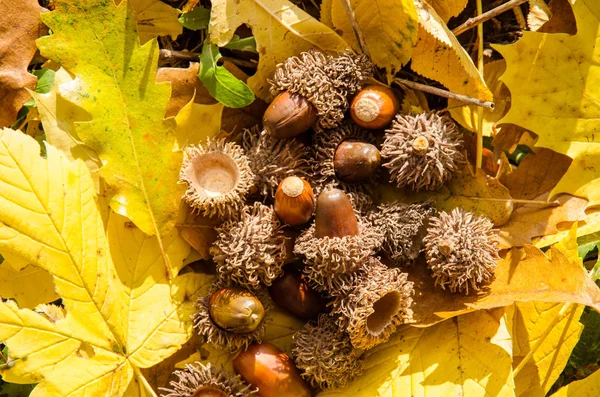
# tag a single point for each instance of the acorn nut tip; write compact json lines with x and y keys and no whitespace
{"x":294,"y":201}
{"x":289,"y":114}
{"x":374,"y":107}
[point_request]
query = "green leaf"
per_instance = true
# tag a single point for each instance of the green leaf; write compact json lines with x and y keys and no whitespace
{"x":587,"y":350}
{"x":245,"y":44}
{"x":45,"y":80}
{"x":196,"y":19}
{"x":219,"y":82}
{"x":15,"y":390}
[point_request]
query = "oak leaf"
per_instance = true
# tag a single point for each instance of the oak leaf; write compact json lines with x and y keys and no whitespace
{"x":155,"y":18}
{"x":122,"y":313}
{"x":551,"y":334}
{"x":115,"y":85}
{"x":466,"y":356}
{"x":389,"y":28}
{"x":281,"y":30}
{"x":551,"y":78}
{"x":19,"y":27}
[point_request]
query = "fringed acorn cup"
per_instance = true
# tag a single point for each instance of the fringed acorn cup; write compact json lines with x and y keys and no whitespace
{"x":461,"y":250}
{"x":422,"y":151}
{"x":325,"y":354}
{"x":218,"y":177}
{"x":337,"y":242}
{"x":251,"y":251}
{"x":230,"y":318}
{"x":377,"y":302}
{"x":272,"y":160}
{"x":199,"y":380}
{"x":313,"y":90}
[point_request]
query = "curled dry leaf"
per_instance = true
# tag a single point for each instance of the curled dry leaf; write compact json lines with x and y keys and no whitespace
{"x":439,"y":56}
{"x":281,"y":30}
{"x":389,"y":28}
{"x":19,"y":27}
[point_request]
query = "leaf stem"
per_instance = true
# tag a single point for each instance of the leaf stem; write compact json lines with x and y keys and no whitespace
{"x":144,"y":382}
{"x":443,"y":93}
{"x":486,"y":16}
{"x":542,"y":338}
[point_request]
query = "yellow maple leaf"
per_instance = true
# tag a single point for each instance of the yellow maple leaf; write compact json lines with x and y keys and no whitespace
{"x":552,"y":79}
{"x":557,"y":334}
{"x":30,"y":286}
{"x":466,"y":356}
{"x":389,"y":28}
{"x":280,"y":28}
{"x":115,"y":84}
{"x":122,"y":312}
{"x":587,"y":387}
{"x":439,"y":56}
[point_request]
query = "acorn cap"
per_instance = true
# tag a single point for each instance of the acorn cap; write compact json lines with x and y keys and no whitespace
{"x":403,"y":227}
{"x":461,"y":250}
{"x":327,"y":82}
{"x":251,"y":250}
{"x":322,"y":159}
{"x":377,"y":304}
{"x":272,"y":160}
{"x":218,"y":177}
{"x":196,"y":377}
{"x":212,"y":333}
{"x":325,"y":355}
{"x":422,"y":151}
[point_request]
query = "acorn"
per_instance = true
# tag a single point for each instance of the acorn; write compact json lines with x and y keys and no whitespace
{"x":356,"y":161}
{"x":374,"y":107}
{"x":236,"y":310}
{"x":271,"y":371}
{"x":292,"y":292}
{"x":335,"y":216}
{"x":294,"y":201}
{"x":289,"y":114}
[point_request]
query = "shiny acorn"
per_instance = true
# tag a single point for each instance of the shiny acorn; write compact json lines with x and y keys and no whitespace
{"x":236,"y":310}
{"x":294,"y":201}
{"x":271,"y":371}
{"x":292,"y":293}
{"x":356,"y":161}
{"x":289,"y":114}
{"x":334,"y":215}
{"x":374,"y":107}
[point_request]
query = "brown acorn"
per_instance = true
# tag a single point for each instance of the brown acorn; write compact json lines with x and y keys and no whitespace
{"x":292,"y":293}
{"x":356,"y":161}
{"x":271,"y":371}
{"x":236,"y":310}
{"x":335,"y":216}
{"x":294,"y":201}
{"x":374,"y":107}
{"x":289,"y":114}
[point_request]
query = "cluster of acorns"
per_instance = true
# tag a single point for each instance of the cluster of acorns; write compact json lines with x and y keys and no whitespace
{"x":262,"y":184}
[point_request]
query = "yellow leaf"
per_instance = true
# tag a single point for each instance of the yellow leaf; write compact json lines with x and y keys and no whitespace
{"x":466,"y":356}
{"x":447,"y":9}
{"x":533,"y":321}
{"x":280,"y":28}
{"x":121,"y":315}
{"x":552,"y":79}
{"x":439,"y":56}
{"x":115,"y":84}
{"x":29,"y":287}
{"x":389,"y":28}
{"x":466,"y":115}
{"x":475,"y":192}
{"x":187,"y":119}
{"x":155,"y":18}
{"x":587,"y":387}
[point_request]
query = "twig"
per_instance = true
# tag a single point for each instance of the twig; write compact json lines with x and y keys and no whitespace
{"x":167,"y":55}
{"x":486,"y":16}
{"x":541,"y":203}
{"x":520,"y":18}
{"x":479,"y":154}
{"x":443,"y":93}
{"x":355,"y":27}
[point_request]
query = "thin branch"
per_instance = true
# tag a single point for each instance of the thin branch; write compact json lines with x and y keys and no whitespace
{"x":355,"y":27}
{"x":479,"y":154}
{"x":169,"y":55}
{"x":486,"y":16}
{"x":443,"y":93}
{"x":540,"y":203}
